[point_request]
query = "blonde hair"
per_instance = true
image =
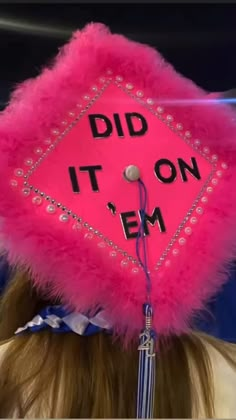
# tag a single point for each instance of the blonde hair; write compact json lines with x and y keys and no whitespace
{"x":69,"y":376}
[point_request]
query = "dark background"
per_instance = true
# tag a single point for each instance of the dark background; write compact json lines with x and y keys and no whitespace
{"x":198,"y":39}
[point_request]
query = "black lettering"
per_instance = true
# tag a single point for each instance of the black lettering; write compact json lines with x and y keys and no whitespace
{"x":132,"y":132}
{"x":74,"y":179}
{"x":127,"y":225}
{"x":193,"y":170}
{"x":119,"y":128}
{"x":156,"y":217}
{"x":160,"y":177}
{"x":92,"y":175}
{"x":92,"y":120}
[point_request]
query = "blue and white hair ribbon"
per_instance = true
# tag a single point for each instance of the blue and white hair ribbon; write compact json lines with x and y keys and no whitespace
{"x":147,"y":359}
{"x":61,"y":320}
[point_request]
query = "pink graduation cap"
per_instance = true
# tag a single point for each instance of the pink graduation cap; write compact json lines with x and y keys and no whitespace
{"x":116,"y":186}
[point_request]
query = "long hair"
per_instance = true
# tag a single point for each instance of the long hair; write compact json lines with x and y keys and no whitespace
{"x":69,"y":376}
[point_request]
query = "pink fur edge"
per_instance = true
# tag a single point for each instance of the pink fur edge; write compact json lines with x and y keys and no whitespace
{"x":62,"y":262}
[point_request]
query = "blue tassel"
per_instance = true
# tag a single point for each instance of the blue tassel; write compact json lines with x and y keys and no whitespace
{"x":147,"y":368}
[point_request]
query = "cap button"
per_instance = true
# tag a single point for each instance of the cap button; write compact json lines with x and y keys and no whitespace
{"x":132,"y":173}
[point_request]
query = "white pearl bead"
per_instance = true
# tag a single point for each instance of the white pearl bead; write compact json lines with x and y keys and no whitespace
{"x":47,"y":141}
{"x":209,"y":190}
{"x":182,"y":241}
{"x":124,"y":263}
{"x":169,"y":118}
{"x":64,"y":218}
{"x":102,"y":80}
{"x":179,"y":126}
{"x":113,"y":254}
{"x":38,"y":151}
{"x":94,"y":88}
{"x":19,"y":172}
{"x":224,"y":165}
{"x":197,"y":142}
{"x":199,"y":210}
{"x":55,"y":132}
{"x":28,"y":162}
{"x":214,"y":158}
{"x":71,"y":114}
{"x":204,"y":199}
{"x":139,"y":93}
{"x":219,"y":174}
{"x":188,"y":134}
{"x":64,"y":122}
{"x":13,"y":183}
{"x":175,"y":252}
{"x":206,"y":150}
{"x":37,"y":200}
{"x":119,"y":78}
{"x":188,"y":230}
{"x":215,"y":181}
{"x":132,"y":173}
{"x":129,"y":86}
{"x":135,"y":270}
{"x":51,"y":208}
{"x":160,"y":110}
{"x":193,"y":220}
{"x":88,"y":236}
{"x":26,"y":192}
{"x":86,"y":97}
{"x":77,"y":226}
{"x":150,"y":101}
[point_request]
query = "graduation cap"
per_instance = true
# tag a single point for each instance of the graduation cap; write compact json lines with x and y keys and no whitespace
{"x":116,"y":189}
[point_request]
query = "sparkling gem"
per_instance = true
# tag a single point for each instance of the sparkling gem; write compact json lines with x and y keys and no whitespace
{"x":26,"y":192}
{"x":135,"y":270}
{"x":209,"y":190}
{"x":77,"y":226}
{"x":13,"y":183}
{"x":167,"y":263}
{"x":51,"y":208}
{"x":124,"y":263}
{"x":193,"y":220}
{"x":169,"y":118}
{"x":150,"y":101}
{"x":179,"y":126}
{"x":206,"y":150}
{"x":64,"y":218}
{"x":101,"y":245}
{"x":48,"y":141}
{"x":204,"y":199}
{"x":94,"y":88}
{"x":199,"y":210}
{"x":175,"y":252}
{"x":219,"y":174}
{"x":214,"y":158}
{"x":215,"y":181}
{"x":86,"y":97}
{"x":119,"y":78}
{"x":129,"y":86}
{"x":28,"y":162}
{"x":71,"y":114}
{"x":19,"y":172}
{"x":38,"y":151}
{"x":64,"y":122}
{"x":37,"y":200}
{"x":160,"y":110}
{"x":197,"y":142}
{"x":182,"y":241}
{"x":224,"y":165}
{"x":55,"y":132}
{"x":113,"y":254}
{"x":188,"y":134}
{"x":88,"y":236}
{"x":188,"y":230}
{"x":140,"y":94}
